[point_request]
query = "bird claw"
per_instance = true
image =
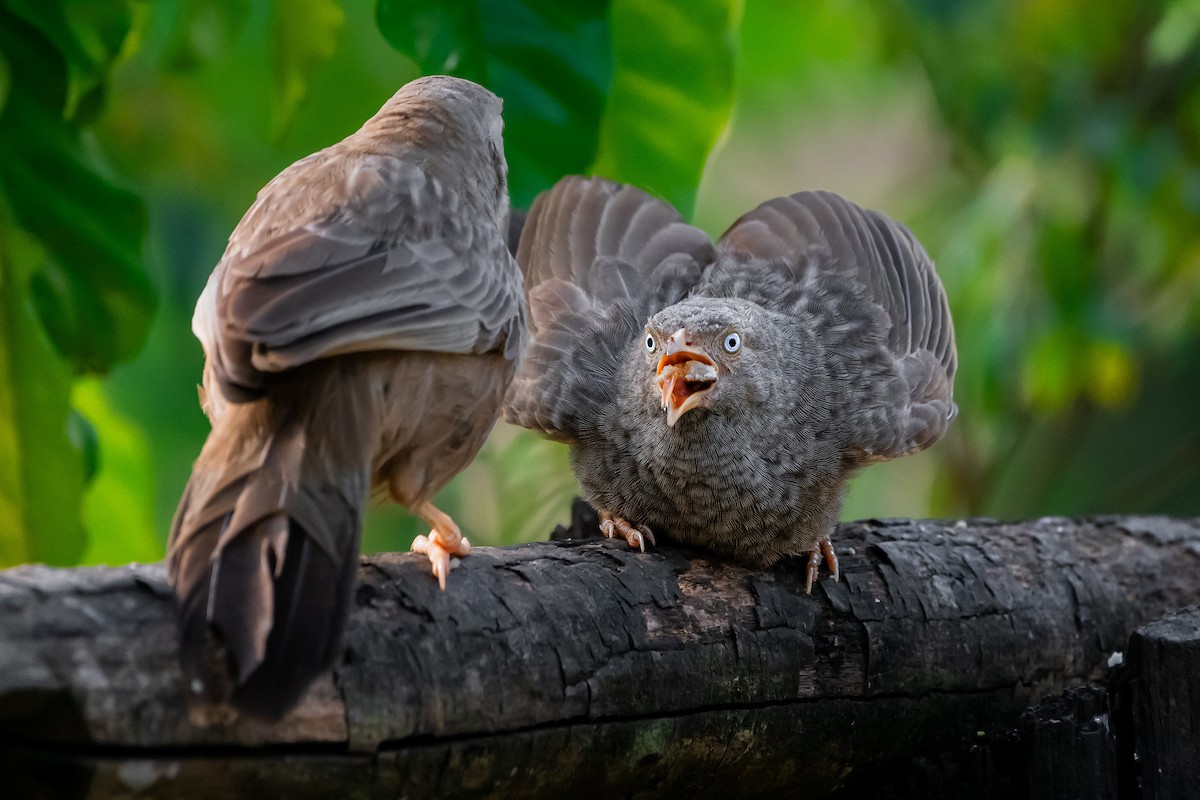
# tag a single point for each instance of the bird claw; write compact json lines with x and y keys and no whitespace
{"x":439,"y":554}
{"x":822,"y":549}
{"x":444,"y":540}
{"x":636,"y":535}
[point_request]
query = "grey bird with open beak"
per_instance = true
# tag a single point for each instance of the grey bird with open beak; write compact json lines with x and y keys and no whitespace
{"x":359,"y":333}
{"x":724,"y":395}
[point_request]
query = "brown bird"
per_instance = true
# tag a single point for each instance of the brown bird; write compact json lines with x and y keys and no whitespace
{"x":724,"y":395}
{"x":359,"y":332}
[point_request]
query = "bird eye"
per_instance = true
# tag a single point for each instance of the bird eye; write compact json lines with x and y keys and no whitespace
{"x":733,"y":343}
{"x":650,"y":344}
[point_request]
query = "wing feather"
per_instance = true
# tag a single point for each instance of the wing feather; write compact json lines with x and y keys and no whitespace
{"x":817,"y":254}
{"x":599,"y":258}
{"x":349,"y":253}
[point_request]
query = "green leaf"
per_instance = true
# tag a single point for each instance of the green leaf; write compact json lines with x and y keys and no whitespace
{"x":440,"y":37}
{"x":306,"y":34}
{"x":551,"y":63}
{"x":50,"y":19}
{"x":118,"y":503}
{"x":41,"y":476}
{"x":89,"y":34}
{"x":104,"y":28}
{"x":91,"y":292}
{"x":672,"y":93}
{"x":82,"y":435}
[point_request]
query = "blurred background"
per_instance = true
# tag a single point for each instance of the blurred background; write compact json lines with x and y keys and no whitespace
{"x":1046,"y":152}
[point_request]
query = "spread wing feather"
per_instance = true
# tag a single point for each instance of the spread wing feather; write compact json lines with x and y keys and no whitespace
{"x":819,"y":255}
{"x":599,"y":258}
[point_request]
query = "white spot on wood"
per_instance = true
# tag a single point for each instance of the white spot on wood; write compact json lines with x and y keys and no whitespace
{"x":141,"y":774}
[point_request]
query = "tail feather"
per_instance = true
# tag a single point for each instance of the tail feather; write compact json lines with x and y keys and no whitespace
{"x":241,"y":604}
{"x":307,"y":636}
{"x":263,"y":557}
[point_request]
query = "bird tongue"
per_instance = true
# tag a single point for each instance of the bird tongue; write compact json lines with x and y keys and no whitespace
{"x":668,"y":382}
{"x":682,"y":384}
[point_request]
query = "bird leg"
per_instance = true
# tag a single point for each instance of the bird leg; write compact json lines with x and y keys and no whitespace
{"x":636,"y":535}
{"x":823,"y":547}
{"x":443,"y":541}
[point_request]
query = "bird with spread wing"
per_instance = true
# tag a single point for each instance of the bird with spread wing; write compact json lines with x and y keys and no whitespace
{"x":359,"y":332}
{"x":723,"y":395}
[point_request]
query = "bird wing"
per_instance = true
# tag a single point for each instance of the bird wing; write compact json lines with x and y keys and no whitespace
{"x":599,"y":258}
{"x":872,"y":293}
{"x":345,"y":253}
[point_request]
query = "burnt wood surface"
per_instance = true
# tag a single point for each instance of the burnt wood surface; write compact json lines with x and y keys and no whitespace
{"x":1069,"y":746}
{"x":583,"y":668}
{"x":1164,"y":691}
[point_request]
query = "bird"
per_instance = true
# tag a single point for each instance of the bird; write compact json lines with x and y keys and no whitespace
{"x":723,"y":395}
{"x":359,"y":332}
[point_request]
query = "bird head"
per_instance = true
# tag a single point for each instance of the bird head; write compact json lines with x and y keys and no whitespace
{"x":453,"y":118}
{"x":706,"y":353}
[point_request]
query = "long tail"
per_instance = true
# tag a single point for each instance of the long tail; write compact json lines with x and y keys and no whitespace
{"x":264,"y":549}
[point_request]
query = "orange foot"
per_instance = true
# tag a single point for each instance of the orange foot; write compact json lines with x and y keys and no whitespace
{"x":823,"y":547}
{"x":637,"y":535}
{"x":444,"y":540}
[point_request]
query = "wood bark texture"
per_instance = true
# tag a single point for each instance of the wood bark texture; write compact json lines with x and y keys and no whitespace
{"x":1069,"y":746}
{"x":1164,"y":686}
{"x":584,"y":669}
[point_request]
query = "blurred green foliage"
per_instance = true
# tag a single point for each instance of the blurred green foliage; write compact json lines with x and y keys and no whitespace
{"x":1073,"y":247}
{"x":1047,"y":152}
{"x":550,"y":61}
{"x":73,"y":292}
{"x":671,"y":95}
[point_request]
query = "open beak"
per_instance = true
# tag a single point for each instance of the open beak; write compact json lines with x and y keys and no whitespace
{"x":686,"y":375}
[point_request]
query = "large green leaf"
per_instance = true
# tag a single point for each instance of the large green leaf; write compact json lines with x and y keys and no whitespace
{"x":672,"y":93}
{"x":41,"y":476}
{"x":50,"y":20}
{"x":88,"y":34}
{"x":91,"y":292}
{"x":551,"y":62}
{"x":73,"y":293}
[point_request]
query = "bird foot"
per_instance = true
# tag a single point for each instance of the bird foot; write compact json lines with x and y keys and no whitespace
{"x":637,"y":535}
{"x":443,"y":541}
{"x":823,"y":548}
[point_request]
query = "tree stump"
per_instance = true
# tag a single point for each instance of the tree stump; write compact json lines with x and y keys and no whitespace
{"x":1070,"y":746}
{"x":1164,"y":683}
